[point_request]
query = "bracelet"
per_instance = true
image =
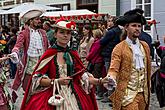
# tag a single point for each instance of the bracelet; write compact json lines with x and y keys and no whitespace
{"x":52,"y":82}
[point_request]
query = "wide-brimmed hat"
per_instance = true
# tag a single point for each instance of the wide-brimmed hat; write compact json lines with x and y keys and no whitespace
{"x":64,"y":24}
{"x":27,"y":15}
{"x":135,"y":15}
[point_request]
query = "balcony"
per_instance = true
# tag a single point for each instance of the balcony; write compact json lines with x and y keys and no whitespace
{"x":13,"y":2}
{"x":18,"y":1}
{"x":87,"y":2}
{"x":24,"y":1}
{"x":6,"y":3}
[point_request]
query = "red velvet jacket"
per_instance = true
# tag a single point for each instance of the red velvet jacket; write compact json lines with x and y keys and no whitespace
{"x":22,"y":42}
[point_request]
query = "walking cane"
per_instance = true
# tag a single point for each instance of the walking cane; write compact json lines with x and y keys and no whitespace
{"x":157,"y":37}
{"x":154,"y":22}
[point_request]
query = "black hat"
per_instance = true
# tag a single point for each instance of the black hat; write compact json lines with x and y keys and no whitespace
{"x":135,"y":15}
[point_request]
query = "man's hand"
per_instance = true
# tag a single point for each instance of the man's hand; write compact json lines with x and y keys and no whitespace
{"x":105,"y":80}
{"x":3,"y":58}
{"x":14,"y":57}
{"x":111,"y":83}
{"x":156,"y":43}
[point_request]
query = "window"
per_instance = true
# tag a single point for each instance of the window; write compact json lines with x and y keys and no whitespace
{"x":87,"y":1}
{"x":147,"y":9}
{"x":138,"y":1}
{"x":63,"y":7}
{"x":146,"y":6}
{"x":147,"y":1}
{"x":18,"y":1}
{"x":24,"y":1}
{"x":8,"y":3}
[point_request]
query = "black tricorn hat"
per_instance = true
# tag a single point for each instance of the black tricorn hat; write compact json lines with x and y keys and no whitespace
{"x":135,"y":15}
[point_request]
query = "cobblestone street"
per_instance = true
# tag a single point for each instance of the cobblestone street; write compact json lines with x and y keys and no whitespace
{"x":103,"y":106}
{"x":154,"y":105}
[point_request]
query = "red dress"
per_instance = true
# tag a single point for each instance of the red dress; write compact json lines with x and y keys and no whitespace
{"x":39,"y":100}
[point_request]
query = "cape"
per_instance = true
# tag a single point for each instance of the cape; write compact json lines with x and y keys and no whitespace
{"x":87,"y":101}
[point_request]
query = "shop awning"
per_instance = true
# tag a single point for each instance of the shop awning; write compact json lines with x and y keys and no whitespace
{"x":74,"y":15}
{"x":28,"y":6}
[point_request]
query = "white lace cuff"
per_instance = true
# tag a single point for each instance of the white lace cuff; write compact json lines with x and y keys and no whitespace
{"x":14,"y":57}
{"x":85,"y":82}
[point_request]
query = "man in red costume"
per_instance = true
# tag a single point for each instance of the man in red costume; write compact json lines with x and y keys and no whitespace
{"x":33,"y":41}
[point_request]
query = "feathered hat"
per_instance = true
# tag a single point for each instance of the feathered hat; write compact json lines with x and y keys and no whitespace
{"x":65,"y":24}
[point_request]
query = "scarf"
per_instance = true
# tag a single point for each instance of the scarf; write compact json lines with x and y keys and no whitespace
{"x":66,"y":57}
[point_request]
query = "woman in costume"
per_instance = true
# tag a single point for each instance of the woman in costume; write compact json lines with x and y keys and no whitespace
{"x":62,"y":64}
{"x":86,"y":43}
{"x":5,"y":98}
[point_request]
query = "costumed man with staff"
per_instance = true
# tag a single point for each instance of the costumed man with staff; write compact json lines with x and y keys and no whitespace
{"x":158,"y":77}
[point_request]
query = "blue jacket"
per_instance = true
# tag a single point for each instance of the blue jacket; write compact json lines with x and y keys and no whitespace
{"x":109,"y":41}
{"x":147,"y":38}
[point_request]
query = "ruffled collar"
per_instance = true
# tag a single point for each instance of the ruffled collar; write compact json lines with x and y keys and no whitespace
{"x":138,"y":56}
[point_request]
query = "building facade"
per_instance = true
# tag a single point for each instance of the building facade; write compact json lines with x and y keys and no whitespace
{"x":10,"y":19}
{"x":154,"y":9}
{"x":97,"y":6}
{"x":63,"y":4}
